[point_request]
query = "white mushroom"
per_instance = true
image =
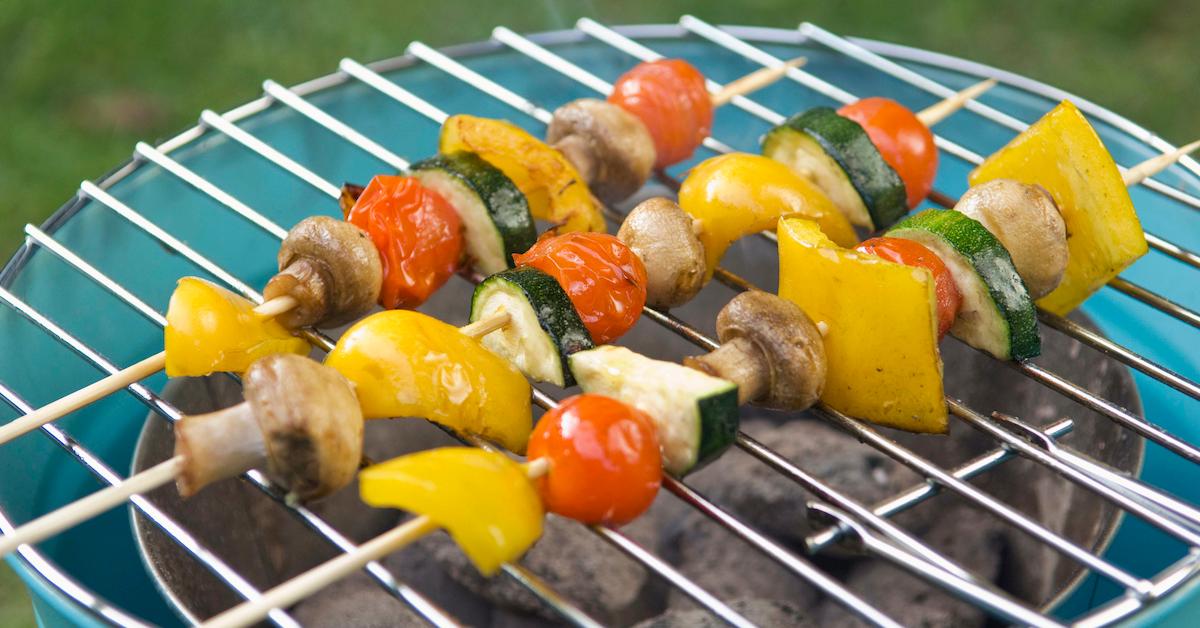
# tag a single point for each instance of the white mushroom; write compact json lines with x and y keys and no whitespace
{"x":1026,"y":221}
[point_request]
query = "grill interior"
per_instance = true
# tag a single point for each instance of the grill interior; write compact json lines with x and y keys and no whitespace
{"x":126,"y":238}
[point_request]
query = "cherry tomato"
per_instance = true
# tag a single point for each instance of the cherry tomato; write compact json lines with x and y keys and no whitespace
{"x":903,"y":140}
{"x":605,"y":465}
{"x":604,"y":278}
{"x":911,"y":253}
{"x":670,"y":98}
{"x":418,"y":234}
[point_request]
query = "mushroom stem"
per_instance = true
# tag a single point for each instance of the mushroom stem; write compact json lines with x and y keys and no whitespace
{"x":739,"y":361}
{"x":218,"y":445}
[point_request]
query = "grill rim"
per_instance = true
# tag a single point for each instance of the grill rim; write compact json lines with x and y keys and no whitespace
{"x":1188,"y":565}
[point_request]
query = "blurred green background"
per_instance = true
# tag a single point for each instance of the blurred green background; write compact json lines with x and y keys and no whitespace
{"x":82,"y":81}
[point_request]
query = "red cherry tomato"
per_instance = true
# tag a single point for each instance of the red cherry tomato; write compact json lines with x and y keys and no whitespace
{"x":604,"y":278}
{"x":670,"y":98}
{"x":911,"y":253}
{"x":605,"y":466}
{"x":903,"y":140}
{"x":418,"y":234}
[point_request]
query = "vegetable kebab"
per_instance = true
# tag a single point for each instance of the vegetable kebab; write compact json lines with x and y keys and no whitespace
{"x":303,"y":421}
{"x":1048,"y":218}
{"x":659,"y":112}
{"x":595,"y":458}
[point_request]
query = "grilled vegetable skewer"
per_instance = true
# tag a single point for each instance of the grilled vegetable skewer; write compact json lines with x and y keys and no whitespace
{"x":301,"y":420}
{"x":591,"y":458}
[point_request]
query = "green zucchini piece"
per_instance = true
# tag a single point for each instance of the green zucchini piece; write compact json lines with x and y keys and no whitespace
{"x":495,"y":214}
{"x":837,"y":155}
{"x":545,"y":328}
{"x":696,"y":414}
{"x":997,"y":314}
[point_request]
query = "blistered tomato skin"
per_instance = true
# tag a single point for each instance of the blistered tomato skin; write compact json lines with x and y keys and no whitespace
{"x":604,"y":278}
{"x":904,"y":141}
{"x":669,"y":96}
{"x":605,"y":465}
{"x":418,"y":234}
{"x":911,"y":253}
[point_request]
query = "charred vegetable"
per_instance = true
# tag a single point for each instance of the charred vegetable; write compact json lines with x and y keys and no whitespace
{"x":210,"y":329}
{"x":879,"y":322}
{"x":1026,"y":221}
{"x":331,"y":268}
{"x":300,"y":418}
{"x":770,"y":349}
{"x":609,"y":146}
{"x":665,"y":239}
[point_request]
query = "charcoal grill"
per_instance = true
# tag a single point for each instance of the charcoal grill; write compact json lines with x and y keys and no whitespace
{"x":216,"y":198}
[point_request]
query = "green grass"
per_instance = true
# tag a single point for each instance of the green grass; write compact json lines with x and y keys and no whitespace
{"x":15,"y":611}
{"x":82,"y":81}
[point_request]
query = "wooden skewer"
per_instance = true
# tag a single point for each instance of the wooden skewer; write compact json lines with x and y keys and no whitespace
{"x":754,"y":81}
{"x":1155,"y":165}
{"x":152,"y":478}
{"x":333,"y":570}
{"x":101,"y":501}
{"x":940,"y":111}
{"x":83,"y":396}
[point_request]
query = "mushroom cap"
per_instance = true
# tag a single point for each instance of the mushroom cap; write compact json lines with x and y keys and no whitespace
{"x":609,"y":146}
{"x":1025,"y":219}
{"x":311,"y":423}
{"x":787,"y":338}
{"x":662,"y":235}
{"x":331,"y":268}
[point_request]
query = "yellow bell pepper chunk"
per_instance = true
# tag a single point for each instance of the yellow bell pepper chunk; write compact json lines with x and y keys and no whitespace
{"x":483,"y":499}
{"x":554,"y":189}
{"x":210,"y":329}
{"x":879,"y":320}
{"x":735,"y":195}
{"x":407,"y":364}
{"x":1062,"y":153}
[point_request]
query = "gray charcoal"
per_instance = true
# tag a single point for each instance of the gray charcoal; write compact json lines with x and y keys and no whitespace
{"x":569,"y":558}
{"x":728,"y":568}
{"x":908,"y":600}
{"x":355,"y":602}
{"x":765,"y":613}
{"x":756,"y":492}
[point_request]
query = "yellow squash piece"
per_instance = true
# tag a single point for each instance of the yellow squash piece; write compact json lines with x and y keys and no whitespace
{"x":553,"y":188}
{"x":735,"y":195}
{"x":483,"y":499}
{"x":210,"y":329}
{"x":406,"y":364}
{"x":1062,"y":153}
{"x":879,"y":320}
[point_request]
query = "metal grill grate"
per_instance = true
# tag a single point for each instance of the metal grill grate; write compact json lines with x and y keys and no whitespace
{"x":868,"y":526}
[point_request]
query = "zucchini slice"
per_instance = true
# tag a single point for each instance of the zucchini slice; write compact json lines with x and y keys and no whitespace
{"x":545,"y":328}
{"x":696,"y":414}
{"x":997,"y":314}
{"x":837,"y":155}
{"x":495,"y":214}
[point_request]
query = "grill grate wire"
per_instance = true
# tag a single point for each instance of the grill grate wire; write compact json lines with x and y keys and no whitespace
{"x":868,"y":527}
